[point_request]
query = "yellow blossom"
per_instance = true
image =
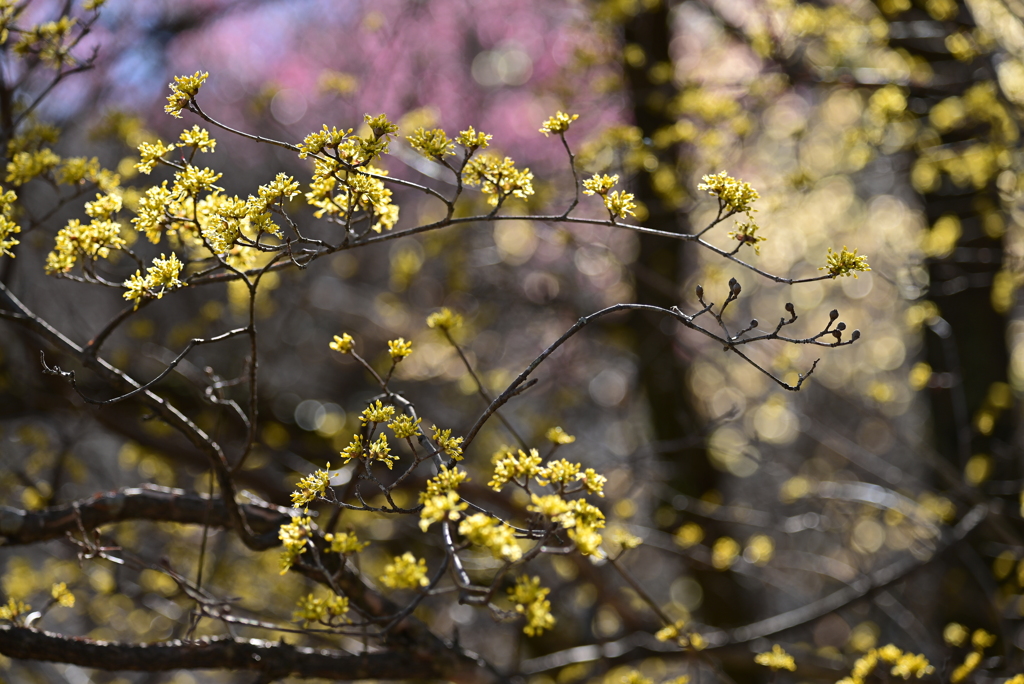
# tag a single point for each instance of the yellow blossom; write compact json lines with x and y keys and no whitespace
{"x":451,"y":446}
{"x":311,"y":609}
{"x":376,"y":413}
{"x":528,"y":596}
{"x":498,"y":178}
{"x":734,"y":195}
{"x":473,"y":140}
{"x":844,"y":263}
{"x":620,"y":204}
{"x":445,"y":319}
{"x":512,"y":467}
{"x":150,"y":154}
{"x":493,"y":535}
{"x":445,"y":481}
{"x":404,"y":426}
{"x":198,"y":138}
{"x":183,"y":90}
{"x":558,"y":124}
{"x":776,"y":659}
{"x":61,"y":595}
{"x":343,"y":344}
{"x":311,"y":486}
{"x":399,"y":348}
{"x":557,"y":435}
{"x":599,"y":185}
{"x":344,"y":543}
{"x":405,"y":572}
{"x":440,"y":507}
{"x":432,"y":144}
{"x":294,"y":536}
{"x":160,"y":278}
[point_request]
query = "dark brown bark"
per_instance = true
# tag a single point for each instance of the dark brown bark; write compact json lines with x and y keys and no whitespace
{"x":272,"y":659}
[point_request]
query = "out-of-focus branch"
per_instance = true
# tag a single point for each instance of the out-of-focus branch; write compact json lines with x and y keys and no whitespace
{"x":158,"y":504}
{"x":273,"y":659}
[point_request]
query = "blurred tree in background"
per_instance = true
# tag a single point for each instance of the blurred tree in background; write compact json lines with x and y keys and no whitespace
{"x":870,"y":523}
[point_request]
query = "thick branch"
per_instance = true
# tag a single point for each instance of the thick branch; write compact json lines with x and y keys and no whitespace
{"x":159,"y":504}
{"x":274,"y":659}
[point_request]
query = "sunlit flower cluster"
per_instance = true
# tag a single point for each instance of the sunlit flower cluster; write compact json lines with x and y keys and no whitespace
{"x":558,"y":124}
{"x":529,"y":598}
{"x":183,"y":89}
{"x":498,"y":178}
{"x":844,"y":263}
{"x":160,"y":278}
{"x":405,"y":572}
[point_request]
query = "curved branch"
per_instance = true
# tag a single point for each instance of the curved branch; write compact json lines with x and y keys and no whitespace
{"x":273,"y":659}
{"x":158,"y":504}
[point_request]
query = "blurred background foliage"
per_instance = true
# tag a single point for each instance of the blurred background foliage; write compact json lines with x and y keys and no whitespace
{"x":890,"y":126}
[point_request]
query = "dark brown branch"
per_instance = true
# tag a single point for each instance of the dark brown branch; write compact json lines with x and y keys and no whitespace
{"x":273,"y":659}
{"x":158,"y":504}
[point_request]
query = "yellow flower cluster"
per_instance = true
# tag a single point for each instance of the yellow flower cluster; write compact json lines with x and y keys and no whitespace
{"x":518,"y":468}
{"x":183,"y":90}
{"x":344,"y":543}
{"x":558,"y":124}
{"x":405,"y":572}
{"x":746,"y":234}
{"x":13,"y":609}
{"x":24,"y":166}
{"x":151,"y":216}
{"x":530,"y":600}
{"x":318,"y":141}
{"x":980,"y":640}
{"x":473,"y":140}
{"x":325,"y":610}
{"x":844,"y":263}
{"x":90,"y":242}
{"x":378,"y":450}
{"x":343,"y":344}
{"x":399,"y":349}
{"x":432,"y":144}
{"x":376,"y":413}
{"x":311,"y":487}
{"x":734,"y":195}
{"x":451,"y":446}
{"x":445,"y":319}
{"x":404,"y":426}
{"x":49,"y":41}
{"x":76,"y":170}
{"x":335,"y":191}
{"x":445,"y":506}
{"x":618,"y":203}
{"x":61,"y":595}
{"x":557,"y":435}
{"x":8,"y":228}
{"x":273,"y":194}
{"x":905,"y":665}
{"x":445,"y":481}
{"x":150,"y":154}
{"x":675,"y":632}
{"x":197,"y":138}
{"x":160,"y":278}
{"x":499,"y":178}
{"x":776,"y":659}
{"x":293,"y":536}
{"x":493,"y":535}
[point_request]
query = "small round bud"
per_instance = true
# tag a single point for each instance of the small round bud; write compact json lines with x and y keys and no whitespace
{"x":789,"y":307}
{"x":833,"y":314}
{"x":855,"y":335}
{"x":734,"y":286}
{"x":836,"y":334}
{"x":753,"y":323}
{"x":700,"y":292}
{"x":840,"y":326}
